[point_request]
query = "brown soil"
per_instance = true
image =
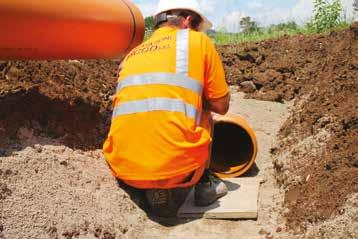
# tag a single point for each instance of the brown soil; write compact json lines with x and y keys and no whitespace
{"x":321,"y":73}
{"x":69,"y":102}
{"x":68,"y":99}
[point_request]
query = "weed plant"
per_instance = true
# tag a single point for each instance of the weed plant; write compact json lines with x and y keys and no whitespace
{"x":325,"y":15}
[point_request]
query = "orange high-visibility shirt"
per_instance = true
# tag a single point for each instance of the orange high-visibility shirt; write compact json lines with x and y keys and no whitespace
{"x":157,"y":130}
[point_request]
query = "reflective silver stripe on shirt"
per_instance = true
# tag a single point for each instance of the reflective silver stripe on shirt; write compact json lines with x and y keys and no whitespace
{"x":156,"y":104}
{"x":182,"y":63}
{"x":180,"y":78}
{"x":161,"y":79}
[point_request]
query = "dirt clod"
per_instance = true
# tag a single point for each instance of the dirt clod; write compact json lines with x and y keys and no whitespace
{"x":109,"y":235}
{"x":52,"y":232}
{"x":263,"y":232}
{"x":73,"y":233}
{"x":38,"y":148}
{"x":4,"y":191}
{"x":248,"y":87}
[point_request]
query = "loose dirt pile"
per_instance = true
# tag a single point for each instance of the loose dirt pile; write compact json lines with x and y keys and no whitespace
{"x":67,"y":104}
{"x":317,"y":157}
{"x":53,"y":191}
{"x":67,"y":99}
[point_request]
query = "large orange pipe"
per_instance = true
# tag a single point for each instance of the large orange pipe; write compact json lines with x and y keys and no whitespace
{"x":234,"y":147}
{"x":68,"y":29}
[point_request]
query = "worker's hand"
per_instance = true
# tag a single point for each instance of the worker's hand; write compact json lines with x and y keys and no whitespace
{"x":206,"y":110}
{"x":215,"y":116}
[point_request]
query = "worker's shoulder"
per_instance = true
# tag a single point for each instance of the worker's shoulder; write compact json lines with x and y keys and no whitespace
{"x":201,"y":35}
{"x":200,"y":38}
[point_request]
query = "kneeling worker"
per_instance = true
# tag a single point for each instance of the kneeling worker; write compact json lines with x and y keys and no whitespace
{"x":161,"y":128}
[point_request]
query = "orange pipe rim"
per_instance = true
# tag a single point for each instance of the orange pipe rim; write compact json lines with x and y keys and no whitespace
{"x":239,"y":170}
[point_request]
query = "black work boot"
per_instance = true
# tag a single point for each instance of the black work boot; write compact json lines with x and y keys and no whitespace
{"x":161,"y":202}
{"x":209,"y":189}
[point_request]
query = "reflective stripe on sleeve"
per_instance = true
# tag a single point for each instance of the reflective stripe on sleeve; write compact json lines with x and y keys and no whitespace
{"x":161,"y":79}
{"x":156,"y":104}
{"x":182,"y":51}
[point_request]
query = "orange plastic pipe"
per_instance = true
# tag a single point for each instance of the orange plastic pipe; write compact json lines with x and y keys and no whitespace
{"x":68,"y":29}
{"x":234,"y":148}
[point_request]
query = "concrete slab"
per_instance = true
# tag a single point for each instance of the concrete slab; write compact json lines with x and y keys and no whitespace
{"x":240,"y":203}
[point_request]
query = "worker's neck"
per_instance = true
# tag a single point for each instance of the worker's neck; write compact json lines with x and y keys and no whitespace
{"x":171,"y":26}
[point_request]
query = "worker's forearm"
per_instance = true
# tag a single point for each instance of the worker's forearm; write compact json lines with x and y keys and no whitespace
{"x":219,"y":106}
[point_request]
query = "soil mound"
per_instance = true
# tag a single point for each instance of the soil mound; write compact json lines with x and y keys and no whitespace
{"x":67,"y":99}
{"x":316,"y":159}
{"x":284,"y":68}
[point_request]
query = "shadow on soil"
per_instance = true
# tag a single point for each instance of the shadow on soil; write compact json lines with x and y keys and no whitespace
{"x":139,"y":198}
{"x":28,"y":113}
{"x":253,"y":172}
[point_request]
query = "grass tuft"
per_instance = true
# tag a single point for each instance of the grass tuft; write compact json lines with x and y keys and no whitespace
{"x":277,"y":31}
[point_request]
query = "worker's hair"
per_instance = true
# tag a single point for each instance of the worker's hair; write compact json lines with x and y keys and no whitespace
{"x":174,"y":18}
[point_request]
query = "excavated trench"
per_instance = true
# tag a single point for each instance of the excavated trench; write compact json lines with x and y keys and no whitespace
{"x":66,"y":100}
{"x":70,"y":101}
{"x":79,"y":125}
{"x":316,"y":154}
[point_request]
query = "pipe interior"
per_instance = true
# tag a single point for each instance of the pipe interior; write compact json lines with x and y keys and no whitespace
{"x":232,"y":146}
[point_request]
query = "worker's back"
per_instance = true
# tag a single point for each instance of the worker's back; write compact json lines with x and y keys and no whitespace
{"x":156,"y":131}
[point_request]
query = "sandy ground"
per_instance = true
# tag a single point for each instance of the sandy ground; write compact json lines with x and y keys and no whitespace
{"x":51,"y":191}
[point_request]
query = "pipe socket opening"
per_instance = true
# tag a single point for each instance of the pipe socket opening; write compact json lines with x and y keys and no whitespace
{"x":233,"y":150}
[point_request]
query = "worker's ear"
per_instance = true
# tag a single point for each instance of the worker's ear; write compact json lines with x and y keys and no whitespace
{"x":187,"y":22}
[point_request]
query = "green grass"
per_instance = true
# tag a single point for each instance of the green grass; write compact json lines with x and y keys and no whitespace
{"x":276,"y":31}
{"x":224,"y":38}
{"x":327,"y":16}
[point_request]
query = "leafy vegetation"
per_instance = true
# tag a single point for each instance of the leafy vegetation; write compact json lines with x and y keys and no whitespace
{"x":248,"y":26}
{"x":274,"y":31}
{"x":149,"y":26}
{"x":327,"y":16}
{"x":149,"y":23}
{"x":355,"y":5}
